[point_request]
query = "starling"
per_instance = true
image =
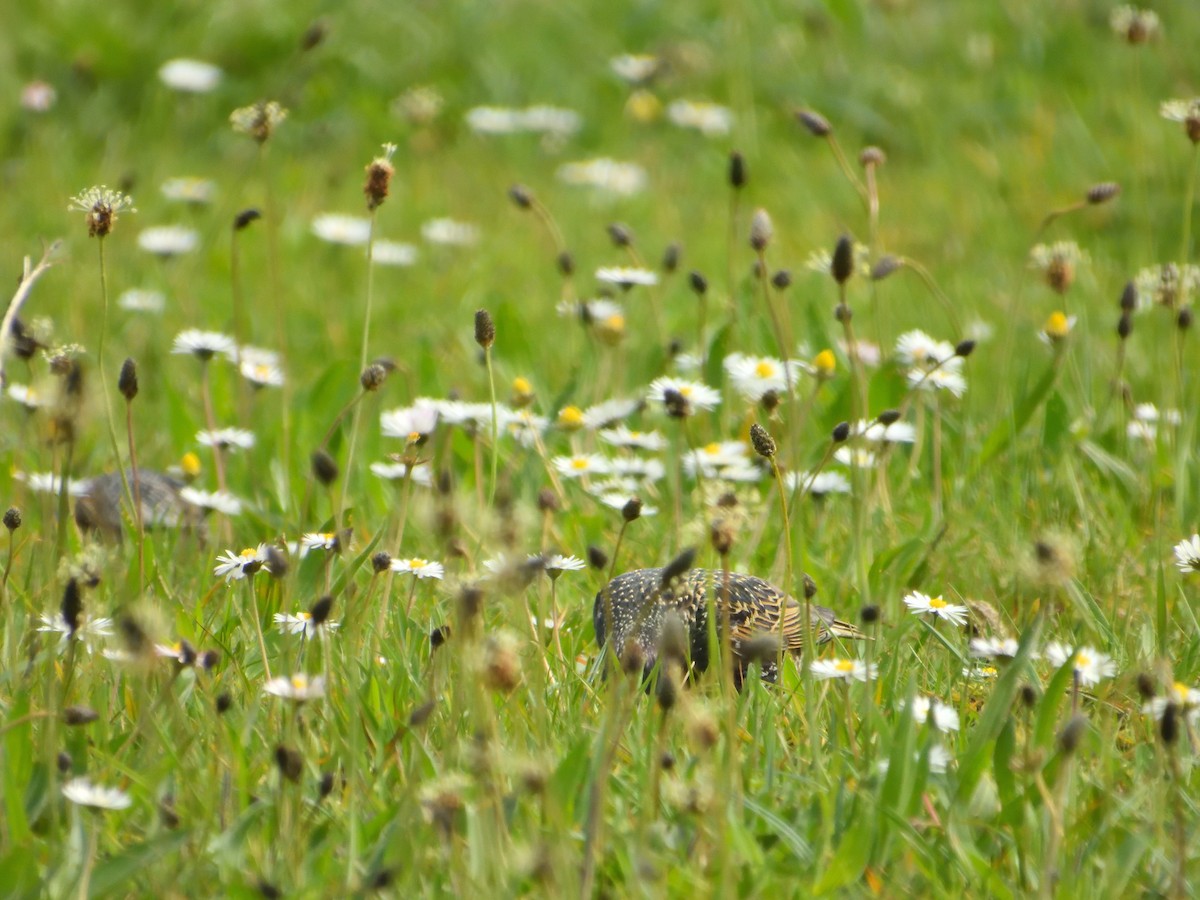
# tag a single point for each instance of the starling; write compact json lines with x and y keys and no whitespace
{"x":99,"y":508}
{"x":638,"y":602}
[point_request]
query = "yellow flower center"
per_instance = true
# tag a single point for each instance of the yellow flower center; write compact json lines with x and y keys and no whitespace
{"x":685,"y":390}
{"x":825,"y":362}
{"x":570,"y":417}
{"x":712,"y":449}
{"x":249,"y":552}
{"x":937,"y":603}
{"x":579,"y":463}
{"x":988,"y":670}
{"x":615,"y":322}
{"x":304,"y":615}
{"x":417,"y":563}
{"x":299,"y":682}
{"x":844,"y":665}
{"x":413,"y":437}
{"x":764,"y":369}
{"x":190,"y":464}
{"x":1082,"y":660}
{"x":262,"y":371}
{"x":1057,"y":326}
{"x":522,"y":386}
{"x":1181,"y":691}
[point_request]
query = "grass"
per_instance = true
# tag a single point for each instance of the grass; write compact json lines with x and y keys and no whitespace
{"x":454,"y":748}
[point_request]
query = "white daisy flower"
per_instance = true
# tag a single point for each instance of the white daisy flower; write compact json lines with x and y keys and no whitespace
{"x":626,"y":276}
{"x":607,"y":413}
{"x":616,"y":177}
{"x":204,"y":345}
{"x":945,"y":378}
{"x":493,"y":120}
{"x":618,"y":499}
{"x":1058,"y":328}
{"x":337,"y":228}
{"x":189,"y":190}
{"x":1185,"y":699}
{"x":47,"y":483}
{"x":634,"y":68}
{"x":320,"y":540}
{"x":641,"y":468}
{"x":261,"y":374}
{"x":82,"y":792}
{"x":923,"y":709}
{"x":411,"y":423}
{"x":191,"y":76}
{"x":556,"y":564}
{"x":296,"y":687}
{"x":398,"y":471}
{"x":393,"y":253}
{"x":710,"y":119}
{"x":450,"y":232}
{"x":221,"y":501}
{"x":697,"y":396}
{"x":754,"y":376}
{"x":543,"y":119}
{"x":236,"y":566}
{"x":302,"y":623}
{"x":168,"y":240}
{"x":846,"y":669}
{"x":715,"y":455}
{"x":89,"y":629}
{"x":421,"y":568}
{"x":939,"y":760}
{"x":994,"y":648}
{"x":1187,"y":554}
{"x":581,"y":465}
{"x":523,"y":425}
{"x":226,"y":438}
{"x":916,"y":348}
{"x":140,"y":300}
{"x":820,"y":485}
{"x":877,"y":432}
{"x":622,"y":436}
{"x":26,"y":396}
{"x":1090,"y":665}
{"x":855,"y":457}
{"x":923,"y":604}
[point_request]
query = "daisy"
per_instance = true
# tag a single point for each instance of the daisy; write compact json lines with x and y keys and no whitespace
{"x":140,"y":300}
{"x":523,"y":425}
{"x":323,"y":540}
{"x":301,"y":623}
{"x":450,"y":232}
{"x":1187,"y":554}
{"x":398,"y":471}
{"x":1184,"y":698}
{"x":1090,"y":665}
{"x":896,"y":433}
{"x":420,"y":568}
{"x":336,"y":228}
{"x":980,"y":673}
{"x":607,"y":413}
{"x":298,"y":687}
{"x":696,"y":396}
{"x":261,"y":373}
{"x":46,"y":483}
{"x":619,"y":499}
{"x":82,"y":792}
{"x":189,"y":190}
{"x":191,"y":76}
{"x":1134,"y":25}
{"x":939,"y":760}
{"x":1166,"y":285}
{"x":621,"y":436}
{"x":710,"y":119}
{"x":554,"y":120}
{"x":944,"y":718}
{"x":746,"y":472}
{"x":236,"y":566}
{"x":420,"y":104}
{"x":993,"y":648}
{"x":412,"y":423}
{"x":1057,"y":328}
{"x":642,"y":468}
{"x":393,"y":253}
{"x":569,"y":418}
{"x":168,"y":240}
{"x":26,"y":396}
{"x":944,"y":378}
{"x":754,"y":376}
{"x":621,"y":178}
{"x":820,"y":485}
{"x":38,"y":96}
{"x":180,"y":651}
{"x":1057,"y":263}
{"x":916,"y":348}
{"x":89,"y":629}
{"x":221,"y":501}
{"x":226,"y":438}
{"x":556,"y":564}
{"x":493,"y":120}
{"x":855,"y":457}
{"x":581,"y":465}
{"x":919,"y":604}
{"x":626,"y":276}
{"x":204,"y":345}
{"x":846,"y":669}
{"x":715,"y":455}
{"x":259,"y":120}
{"x":634,"y":68}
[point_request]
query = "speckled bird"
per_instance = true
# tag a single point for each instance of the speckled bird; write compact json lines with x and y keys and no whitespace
{"x":639,"y":602}
{"x":99,"y":508}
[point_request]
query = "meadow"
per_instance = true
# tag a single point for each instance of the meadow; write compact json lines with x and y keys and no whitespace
{"x":354,"y":349}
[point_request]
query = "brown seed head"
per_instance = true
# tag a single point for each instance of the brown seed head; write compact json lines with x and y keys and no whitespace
{"x":79,"y":715}
{"x":671,"y":257}
{"x":888,"y":417}
{"x":841,"y":432}
{"x":1125,"y":326}
{"x":781,"y":280}
{"x":244,"y":218}
{"x":485,"y":329}
{"x":379,"y":178}
{"x":596,"y":557}
{"x":761,"y":230}
{"x":698,"y":283}
{"x":521,"y":196}
{"x":1071,"y":734}
{"x":1102,"y":192}
{"x":737,"y":171}
{"x":324,"y":467}
{"x":12,"y":519}
{"x":620,"y":234}
{"x":871,"y":156}
{"x":817,"y":124}
{"x":566,"y":263}
{"x":632,"y":510}
{"x":885,"y":267}
{"x":763,"y":443}
{"x":127,"y":381}
{"x":842,"y":266}
{"x":290,"y":763}
{"x":501,"y":663}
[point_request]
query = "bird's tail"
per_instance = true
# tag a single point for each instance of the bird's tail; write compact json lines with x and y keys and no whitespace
{"x":839,"y":629}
